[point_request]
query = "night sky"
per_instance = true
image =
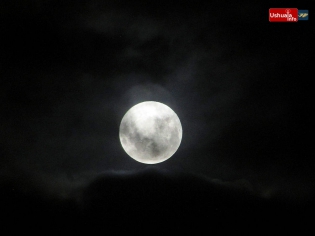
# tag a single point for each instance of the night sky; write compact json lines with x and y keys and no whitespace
{"x":70,"y":70}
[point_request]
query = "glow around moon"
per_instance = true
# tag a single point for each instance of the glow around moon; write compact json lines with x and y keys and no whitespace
{"x":150,"y":132}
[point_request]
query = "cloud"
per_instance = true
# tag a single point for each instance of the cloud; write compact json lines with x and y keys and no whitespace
{"x":144,"y":199}
{"x":152,"y":183}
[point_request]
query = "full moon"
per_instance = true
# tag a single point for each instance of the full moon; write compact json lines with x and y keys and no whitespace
{"x":150,"y":132}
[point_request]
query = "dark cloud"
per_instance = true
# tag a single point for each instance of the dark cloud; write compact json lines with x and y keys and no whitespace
{"x":149,"y":198}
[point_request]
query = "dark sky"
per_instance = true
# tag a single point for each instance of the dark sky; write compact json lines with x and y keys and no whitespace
{"x":240,"y":85}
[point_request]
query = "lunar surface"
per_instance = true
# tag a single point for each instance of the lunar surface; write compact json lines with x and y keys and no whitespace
{"x":150,"y":132}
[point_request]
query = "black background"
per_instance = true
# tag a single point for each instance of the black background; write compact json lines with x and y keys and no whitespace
{"x":239,"y":84}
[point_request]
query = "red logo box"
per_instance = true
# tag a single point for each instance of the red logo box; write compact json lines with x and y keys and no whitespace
{"x":283,"y":14}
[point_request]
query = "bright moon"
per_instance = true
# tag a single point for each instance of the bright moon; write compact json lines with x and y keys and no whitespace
{"x":150,"y":132}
